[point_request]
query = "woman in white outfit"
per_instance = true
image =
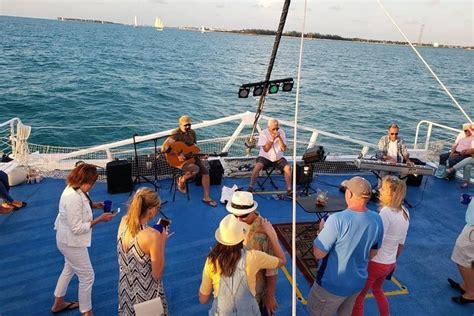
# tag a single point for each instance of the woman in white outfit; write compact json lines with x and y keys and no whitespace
{"x":73,"y":227}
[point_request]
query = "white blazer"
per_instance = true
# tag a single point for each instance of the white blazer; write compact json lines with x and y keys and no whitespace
{"x":73,"y":223}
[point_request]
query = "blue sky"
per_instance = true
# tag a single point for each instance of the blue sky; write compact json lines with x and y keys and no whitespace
{"x":445,"y":21}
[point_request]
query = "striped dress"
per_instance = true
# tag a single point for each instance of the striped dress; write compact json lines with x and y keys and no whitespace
{"x":136,"y":283}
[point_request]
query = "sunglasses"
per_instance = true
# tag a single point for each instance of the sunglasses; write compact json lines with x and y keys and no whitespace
{"x":466,"y":130}
{"x":187,"y":125}
{"x":275,"y":129}
{"x":241,"y":216}
{"x":393,"y":133}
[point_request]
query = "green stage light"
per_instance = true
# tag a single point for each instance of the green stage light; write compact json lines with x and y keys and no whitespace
{"x":273,"y":88}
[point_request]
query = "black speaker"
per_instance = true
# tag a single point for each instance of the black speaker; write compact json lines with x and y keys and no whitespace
{"x":304,"y":173}
{"x":119,"y":176}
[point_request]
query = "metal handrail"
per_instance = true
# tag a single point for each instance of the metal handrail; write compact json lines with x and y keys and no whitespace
{"x":429,"y":132}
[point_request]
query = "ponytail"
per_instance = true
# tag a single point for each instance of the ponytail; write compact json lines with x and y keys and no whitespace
{"x":142,"y":201}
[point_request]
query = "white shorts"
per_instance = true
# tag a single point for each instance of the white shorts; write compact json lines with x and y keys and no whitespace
{"x":463,"y":252}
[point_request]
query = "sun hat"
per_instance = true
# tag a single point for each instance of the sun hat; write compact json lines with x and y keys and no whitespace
{"x":241,"y":203}
{"x":359,"y":186}
{"x":231,"y":231}
{"x":185,"y":119}
{"x":466,"y":126}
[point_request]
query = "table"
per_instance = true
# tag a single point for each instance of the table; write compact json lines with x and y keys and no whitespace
{"x":308,"y":203}
{"x":333,"y":204}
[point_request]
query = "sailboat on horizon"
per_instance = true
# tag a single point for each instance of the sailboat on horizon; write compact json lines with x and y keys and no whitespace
{"x":203,"y":30}
{"x":135,"y":22}
{"x":159,"y":26}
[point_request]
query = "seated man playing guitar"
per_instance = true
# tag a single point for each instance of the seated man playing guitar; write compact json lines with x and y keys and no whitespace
{"x":182,"y":153}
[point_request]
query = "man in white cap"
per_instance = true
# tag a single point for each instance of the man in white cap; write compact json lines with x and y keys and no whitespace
{"x":185,"y":134}
{"x":345,"y":243}
{"x":244,"y":209}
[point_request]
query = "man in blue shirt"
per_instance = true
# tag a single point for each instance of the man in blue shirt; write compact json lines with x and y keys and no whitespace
{"x":346,"y":242}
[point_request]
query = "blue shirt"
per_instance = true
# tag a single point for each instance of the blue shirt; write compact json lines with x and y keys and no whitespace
{"x":347,"y":238}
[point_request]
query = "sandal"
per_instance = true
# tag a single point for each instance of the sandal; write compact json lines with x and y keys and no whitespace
{"x":210,"y":203}
{"x":181,"y":186}
{"x":67,"y":307}
{"x":456,"y":285}
{"x":465,"y":184}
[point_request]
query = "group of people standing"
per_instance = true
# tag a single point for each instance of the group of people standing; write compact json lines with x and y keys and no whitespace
{"x":357,"y":248}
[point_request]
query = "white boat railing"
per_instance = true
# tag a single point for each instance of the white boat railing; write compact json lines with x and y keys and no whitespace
{"x":341,"y":147}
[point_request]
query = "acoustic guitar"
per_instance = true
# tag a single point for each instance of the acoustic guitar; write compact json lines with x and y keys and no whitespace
{"x":189,"y":152}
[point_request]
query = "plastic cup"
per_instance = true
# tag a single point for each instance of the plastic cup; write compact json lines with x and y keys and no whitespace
{"x":465,"y":198}
{"x":107,"y":205}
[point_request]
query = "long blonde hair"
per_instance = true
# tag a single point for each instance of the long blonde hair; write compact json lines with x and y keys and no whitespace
{"x":142,"y":201}
{"x":392,"y":193}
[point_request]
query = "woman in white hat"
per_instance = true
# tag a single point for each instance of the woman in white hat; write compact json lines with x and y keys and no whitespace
{"x":230,"y":270}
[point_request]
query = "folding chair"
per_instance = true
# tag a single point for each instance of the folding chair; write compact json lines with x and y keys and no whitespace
{"x":176,"y":173}
{"x":268,"y":171}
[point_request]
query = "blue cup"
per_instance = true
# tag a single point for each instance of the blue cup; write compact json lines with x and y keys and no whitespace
{"x":465,"y":198}
{"x":107,"y":205}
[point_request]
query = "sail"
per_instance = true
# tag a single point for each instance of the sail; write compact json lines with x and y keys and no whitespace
{"x":135,"y":23}
{"x":159,"y":24}
{"x":203,"y":30}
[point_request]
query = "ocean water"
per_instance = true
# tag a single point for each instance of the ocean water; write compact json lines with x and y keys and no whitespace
{"x":77,"y":76}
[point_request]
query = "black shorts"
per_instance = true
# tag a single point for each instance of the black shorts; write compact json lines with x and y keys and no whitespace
{"x":279,"y":164}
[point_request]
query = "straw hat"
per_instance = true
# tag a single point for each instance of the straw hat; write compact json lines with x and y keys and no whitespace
{"x":241,"y":203}
{"x":231,"y":231}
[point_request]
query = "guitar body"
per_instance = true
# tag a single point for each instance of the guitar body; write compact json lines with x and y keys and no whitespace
{"x":181,"y":148}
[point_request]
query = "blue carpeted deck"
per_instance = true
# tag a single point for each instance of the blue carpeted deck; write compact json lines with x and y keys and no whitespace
{"x":30,"y":262}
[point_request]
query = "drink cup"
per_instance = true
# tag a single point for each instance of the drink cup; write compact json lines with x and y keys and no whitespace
{"x":107,"y":205}
{"x":465,"y":198}
{"x":321,"y":197}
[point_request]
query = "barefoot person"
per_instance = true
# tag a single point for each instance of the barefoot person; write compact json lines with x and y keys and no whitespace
{"x":272,"y":142}
{"x":184,"y":133}
{"x":73,"y":227}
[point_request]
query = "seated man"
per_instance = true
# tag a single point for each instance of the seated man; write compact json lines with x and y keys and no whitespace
{"x":272,"y":142}
{"x":392,"y":149}
{"x":191,"y":167}
{"x":461,"y":149}
{"x":9,"y":203}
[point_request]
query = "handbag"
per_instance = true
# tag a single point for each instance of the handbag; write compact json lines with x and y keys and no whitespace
{"x":153,"y":307}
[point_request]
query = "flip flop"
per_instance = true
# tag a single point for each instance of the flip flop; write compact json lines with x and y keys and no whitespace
{"x":181,"y":188}
{"x":6,"y":209}
{"x":456,"y":285}
{"x":210,"y":203}
{"x":68,"y":307}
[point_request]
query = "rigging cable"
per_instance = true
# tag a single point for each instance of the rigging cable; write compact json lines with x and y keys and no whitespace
{"x":424,"y":62}
{"x":295,"y":133}
{"x":250,"y":142}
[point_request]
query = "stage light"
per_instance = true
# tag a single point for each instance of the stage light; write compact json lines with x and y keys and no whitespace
{"x":273,"y":88}
{"x":244,"y":92}
{"x":257,"y":91}
{"x":287,"y":86}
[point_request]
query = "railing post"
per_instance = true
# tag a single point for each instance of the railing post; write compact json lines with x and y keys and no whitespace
{"x":312,"y":140}
{"x":428,"y":136}
{"x":234,"y":136}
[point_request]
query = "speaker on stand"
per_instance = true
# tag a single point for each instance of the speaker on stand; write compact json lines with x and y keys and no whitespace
{"x":119,"y":176}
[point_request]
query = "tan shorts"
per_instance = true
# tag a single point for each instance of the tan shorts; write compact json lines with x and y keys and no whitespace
{"x":463,"y":252}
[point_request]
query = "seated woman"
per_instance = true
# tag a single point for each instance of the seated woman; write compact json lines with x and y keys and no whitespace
{"x":9,"y":202}
{"x":141,"y":254}
{"x":230,"y":270}
{"x":466,"y":165}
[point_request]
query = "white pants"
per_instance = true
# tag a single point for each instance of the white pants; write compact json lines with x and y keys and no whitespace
{"x":76,"y":261}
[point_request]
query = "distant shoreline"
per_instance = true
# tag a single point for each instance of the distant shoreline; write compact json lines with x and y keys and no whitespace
{"x":332,"y":37}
